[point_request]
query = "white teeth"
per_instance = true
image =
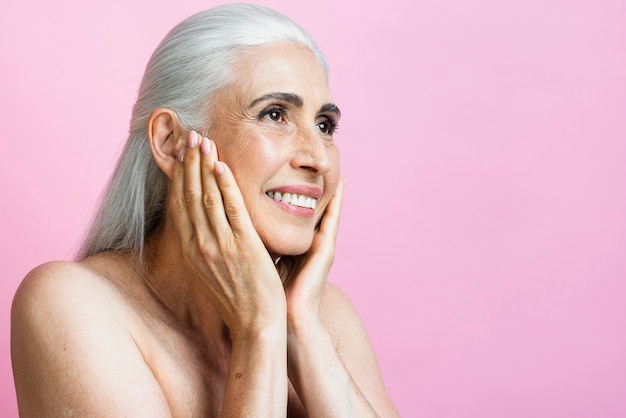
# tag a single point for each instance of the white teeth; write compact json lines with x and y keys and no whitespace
{"x":294,"y":199}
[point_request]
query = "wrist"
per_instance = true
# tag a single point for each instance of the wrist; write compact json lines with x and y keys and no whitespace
{"x":304,"y":333}
{"x":260,"y":333}
{"x":299,"y":321}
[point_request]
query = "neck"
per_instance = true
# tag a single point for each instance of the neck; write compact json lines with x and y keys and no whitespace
{"x":176,"y":287}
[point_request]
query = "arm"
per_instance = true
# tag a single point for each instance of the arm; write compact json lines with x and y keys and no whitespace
{"x":257,"y":380}
{"x":236,"y":275}
{"x":331,"y":361}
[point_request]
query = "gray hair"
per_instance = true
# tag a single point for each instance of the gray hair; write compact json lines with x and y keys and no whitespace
{"x":192,"y":62}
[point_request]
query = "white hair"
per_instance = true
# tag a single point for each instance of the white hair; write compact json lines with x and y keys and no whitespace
{"x":192,"y":62}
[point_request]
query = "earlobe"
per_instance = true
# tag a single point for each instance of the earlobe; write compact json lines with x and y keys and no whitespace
{"x":165,"y":137}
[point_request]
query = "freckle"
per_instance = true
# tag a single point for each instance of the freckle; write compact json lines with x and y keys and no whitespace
{"x":238,"y":376}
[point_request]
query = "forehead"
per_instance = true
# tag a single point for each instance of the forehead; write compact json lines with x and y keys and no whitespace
{"x":281,"y":67}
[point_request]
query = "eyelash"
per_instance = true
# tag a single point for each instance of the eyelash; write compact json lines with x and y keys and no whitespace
{"x":265,"y":113}
{"x":332,"y":125}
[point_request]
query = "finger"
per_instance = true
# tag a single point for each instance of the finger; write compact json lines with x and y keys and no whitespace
{"x":213,"y":204}
{"x":192,"y":184}
{"x":314,"y":266}
{"x":234,"y":205}
{"x":330,"y":222}
{"x":177,"y":205}
{"x":322,"y":251}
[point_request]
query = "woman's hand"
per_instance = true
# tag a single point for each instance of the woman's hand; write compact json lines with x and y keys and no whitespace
{"x":219,"y":243}
{"x":304,"y":276}
{"x":316,"y":368}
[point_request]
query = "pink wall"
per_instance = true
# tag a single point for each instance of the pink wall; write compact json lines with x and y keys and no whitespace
{"x":484,"y":235}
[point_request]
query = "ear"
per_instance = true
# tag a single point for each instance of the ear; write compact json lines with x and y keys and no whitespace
{"x":166,"y":138}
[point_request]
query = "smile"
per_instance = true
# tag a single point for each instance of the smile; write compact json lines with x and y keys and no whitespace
{"x":294,"y":199}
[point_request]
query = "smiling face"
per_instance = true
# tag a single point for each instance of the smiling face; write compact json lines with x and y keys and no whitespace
{"x":274,"y":127}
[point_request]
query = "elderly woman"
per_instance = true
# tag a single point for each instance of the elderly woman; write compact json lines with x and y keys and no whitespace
{"x":201,"y":287}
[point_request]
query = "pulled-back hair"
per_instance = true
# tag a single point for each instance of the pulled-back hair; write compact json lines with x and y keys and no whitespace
{"x":192,"y":62}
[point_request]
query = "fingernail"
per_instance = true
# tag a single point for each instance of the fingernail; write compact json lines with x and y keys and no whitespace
{"x":219,"y":168}
{"x":205,"y":146}
{"x":192,"y":140}
{"x":181,"y":154}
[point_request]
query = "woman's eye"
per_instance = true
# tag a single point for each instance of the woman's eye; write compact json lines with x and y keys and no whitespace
{"x":327,"y":127}
{"x":275,"y":115}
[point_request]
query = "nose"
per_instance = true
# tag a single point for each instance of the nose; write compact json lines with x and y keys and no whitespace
{"x":311,"y":153}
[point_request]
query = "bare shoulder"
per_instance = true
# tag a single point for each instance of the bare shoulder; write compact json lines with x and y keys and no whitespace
{"x":354,"y":347}
{"x":63,"y":291}
{"x":70,"y":345}
{"x":338,"y":313}
{"x":59,"y":283}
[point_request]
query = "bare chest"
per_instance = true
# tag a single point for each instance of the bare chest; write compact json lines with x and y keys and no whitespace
{"x":193,"y":378}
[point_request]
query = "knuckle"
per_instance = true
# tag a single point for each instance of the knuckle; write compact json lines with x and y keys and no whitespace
{"x":177,"y":205}
{"x":229,"y":250}
{"x":205,"y":247}
{"x":232,"y":209}
{"x":191,"y":196}
{"x":210,"y":201}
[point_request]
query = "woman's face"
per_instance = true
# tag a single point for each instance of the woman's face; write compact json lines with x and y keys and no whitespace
{"x":274,"y":127}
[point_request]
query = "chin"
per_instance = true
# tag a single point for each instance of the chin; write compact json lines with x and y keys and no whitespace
{"x":293,"y":245}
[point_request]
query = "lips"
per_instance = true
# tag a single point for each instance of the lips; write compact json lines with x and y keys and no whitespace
{"x":294,"y":199}
{"x":298,"y":197}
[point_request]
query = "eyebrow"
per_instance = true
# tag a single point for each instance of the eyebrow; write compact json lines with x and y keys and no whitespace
{"x":331,"y":108}
{"x":295,"y":100}
{"x":291,"y":98}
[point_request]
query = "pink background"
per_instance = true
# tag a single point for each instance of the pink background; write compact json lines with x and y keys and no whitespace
{"x":483,"y":238}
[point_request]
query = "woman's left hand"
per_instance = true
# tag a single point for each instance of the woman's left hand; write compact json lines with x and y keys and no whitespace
{"x":304,"y":276}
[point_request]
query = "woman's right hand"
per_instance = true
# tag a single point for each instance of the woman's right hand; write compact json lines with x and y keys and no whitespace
{"x":219,"y":242}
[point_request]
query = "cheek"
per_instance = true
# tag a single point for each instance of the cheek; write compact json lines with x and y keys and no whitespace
{"x":334,"y":173}
{"x":334,"y":157}
{"x":331,"y":180}
{"x":254,"y":159}
{"x":251,"y":157}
